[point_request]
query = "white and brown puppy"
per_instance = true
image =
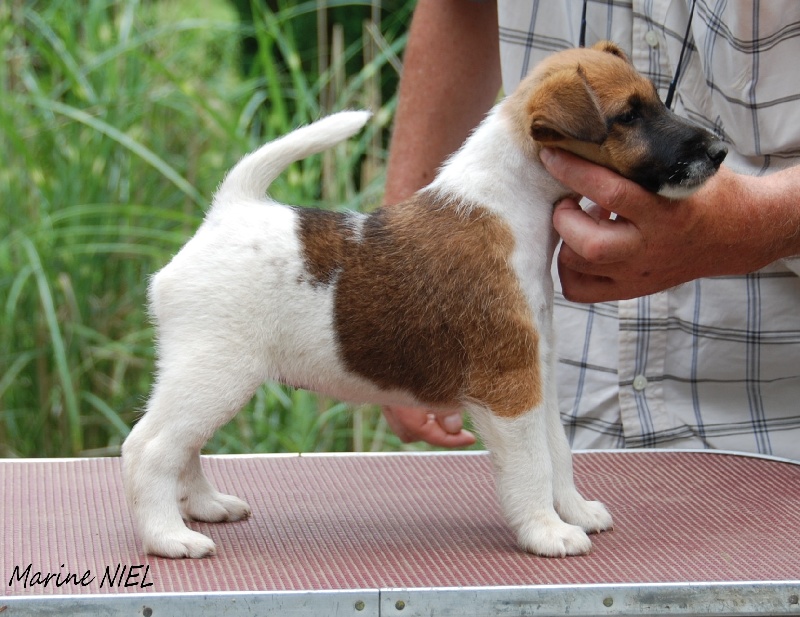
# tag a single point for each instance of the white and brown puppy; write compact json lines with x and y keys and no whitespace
{"x":444,"y":301}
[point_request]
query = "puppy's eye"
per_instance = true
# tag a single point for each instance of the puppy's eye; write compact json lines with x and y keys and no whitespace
{"x":629,"y":117}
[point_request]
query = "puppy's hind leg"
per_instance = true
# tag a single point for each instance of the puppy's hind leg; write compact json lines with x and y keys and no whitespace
{"x":194,"y":394}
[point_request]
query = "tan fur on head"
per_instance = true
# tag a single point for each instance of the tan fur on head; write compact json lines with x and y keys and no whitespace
{"x":593,"y":102}
{"x":564,"y":107}
{"x":611,"y":48}
{"x":569,"y":96}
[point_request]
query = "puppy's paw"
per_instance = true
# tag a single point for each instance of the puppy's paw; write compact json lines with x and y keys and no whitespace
{"x":180,"y":544}
{"x":552,"y":537}
{"x":591,"y":516}
{"x":214,"y":508}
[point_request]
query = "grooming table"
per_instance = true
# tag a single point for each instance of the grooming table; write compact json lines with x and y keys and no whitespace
{"x":405,"y":535}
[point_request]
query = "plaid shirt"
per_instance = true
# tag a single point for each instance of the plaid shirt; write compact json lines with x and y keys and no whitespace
{"x":714,"y":363}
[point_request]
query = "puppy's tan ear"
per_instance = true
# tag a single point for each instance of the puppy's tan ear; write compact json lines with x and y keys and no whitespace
{"x":564,"y":107}
{"x":611,"y":48}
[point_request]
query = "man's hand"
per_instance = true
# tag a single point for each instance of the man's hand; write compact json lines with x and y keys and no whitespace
{"x":411,"y":424}
{"x":727,"y":227}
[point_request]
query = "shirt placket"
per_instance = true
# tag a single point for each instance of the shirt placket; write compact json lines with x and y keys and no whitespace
{"x":643,"y":321}
{"x":642,"y":358}
{"x":648,"y":47}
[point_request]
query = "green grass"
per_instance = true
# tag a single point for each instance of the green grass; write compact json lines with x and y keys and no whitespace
{"x":118,"y":120}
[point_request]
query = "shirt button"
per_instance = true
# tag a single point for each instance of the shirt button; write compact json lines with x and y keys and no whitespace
{"x":651,"y":38}
{"x":639,"y":382}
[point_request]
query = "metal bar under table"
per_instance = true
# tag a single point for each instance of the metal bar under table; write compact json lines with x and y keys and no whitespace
{"x":406,"y":535}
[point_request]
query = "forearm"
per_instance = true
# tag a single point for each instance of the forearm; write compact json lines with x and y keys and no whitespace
{"x":451,"y":77}
{"x":777,"y":212}
{"x":749,"y":221}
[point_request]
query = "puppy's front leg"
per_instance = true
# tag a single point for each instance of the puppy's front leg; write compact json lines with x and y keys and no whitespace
{"x":591,"y":516}
{"x":524,"y":481}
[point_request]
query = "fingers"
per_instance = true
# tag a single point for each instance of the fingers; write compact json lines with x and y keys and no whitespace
{"x":596,"y":212}
{"x":411,"y":424}
{"x":577,"y":286}
{"x":597,"y":261}
{"x":591,"y":241}
{"x":653,"y":244}
{"x":601,"y":259}
{"x":604,"y":187}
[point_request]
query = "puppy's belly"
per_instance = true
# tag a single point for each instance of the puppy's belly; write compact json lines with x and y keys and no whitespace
{"x":300,"y":350}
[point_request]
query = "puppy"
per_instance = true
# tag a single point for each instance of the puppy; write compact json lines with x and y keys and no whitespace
{"x":444,"y":301}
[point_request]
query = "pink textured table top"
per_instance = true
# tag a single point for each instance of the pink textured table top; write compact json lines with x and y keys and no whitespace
{"x":405,"y":521}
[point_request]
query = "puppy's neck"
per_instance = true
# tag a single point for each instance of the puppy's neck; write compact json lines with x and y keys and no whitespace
{"x":495,"y":169}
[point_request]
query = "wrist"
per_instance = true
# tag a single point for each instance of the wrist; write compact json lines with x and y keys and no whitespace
{"x":755,"y":220}
{"x":776,"y":207}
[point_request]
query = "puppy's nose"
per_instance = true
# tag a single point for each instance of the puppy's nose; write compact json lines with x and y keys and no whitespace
{"x":717,"y":152}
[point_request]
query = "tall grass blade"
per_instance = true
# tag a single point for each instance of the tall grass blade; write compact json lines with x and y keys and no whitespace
{"x":57,"y":341}
{"x":62,"y":54}
{"x":118,"y":118}
{"x":109,"y":414}
{"x":122,"y":139}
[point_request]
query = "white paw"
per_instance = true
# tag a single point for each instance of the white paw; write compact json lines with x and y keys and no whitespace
{"x":214,"y":508}
{"x":552,"y":537}
{"x":591,"y":516}
{"x":180,"y":544}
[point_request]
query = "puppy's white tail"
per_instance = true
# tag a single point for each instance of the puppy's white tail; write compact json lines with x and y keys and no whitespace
{"x":250,"y":178}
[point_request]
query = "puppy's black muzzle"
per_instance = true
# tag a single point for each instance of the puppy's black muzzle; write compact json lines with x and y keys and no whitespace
{"x":679,"y":156}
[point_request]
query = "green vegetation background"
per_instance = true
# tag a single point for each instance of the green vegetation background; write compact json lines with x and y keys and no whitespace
{"x":118,"y":118}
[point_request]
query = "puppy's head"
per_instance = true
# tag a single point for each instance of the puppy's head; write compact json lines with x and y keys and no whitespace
{"x":594,"y":103}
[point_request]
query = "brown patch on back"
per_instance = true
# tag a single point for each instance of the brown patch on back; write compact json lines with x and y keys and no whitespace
{"x":427,"y":302}
{"x":326,"y":238}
